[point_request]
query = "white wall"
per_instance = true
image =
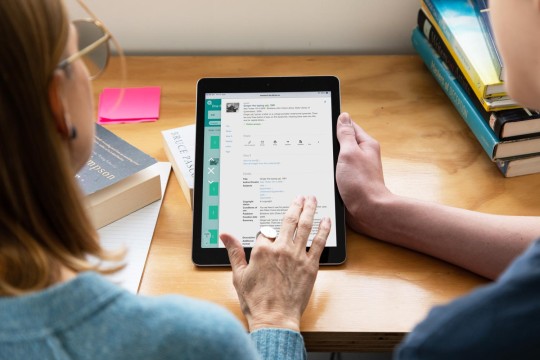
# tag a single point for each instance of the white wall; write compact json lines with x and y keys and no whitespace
{"x":257,"y":26}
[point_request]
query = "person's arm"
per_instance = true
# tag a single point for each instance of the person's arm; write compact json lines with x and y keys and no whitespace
{"x":482,"y":243}
{"x":275,"y":287}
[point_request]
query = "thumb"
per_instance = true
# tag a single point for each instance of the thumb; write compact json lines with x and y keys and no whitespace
{"x":235,"y":250}
{"x":346,"y":133}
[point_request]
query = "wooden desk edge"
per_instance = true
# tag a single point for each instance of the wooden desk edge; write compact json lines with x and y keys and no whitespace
{"x":351,"y":342}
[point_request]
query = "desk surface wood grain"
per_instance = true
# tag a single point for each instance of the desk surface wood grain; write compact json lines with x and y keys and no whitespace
{"x":382,"y":291}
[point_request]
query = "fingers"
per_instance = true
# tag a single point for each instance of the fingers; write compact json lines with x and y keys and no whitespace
{"x":305,"y":223}
{"x":235,"y":250}
{"x":319,"y":241}
{"x":349,"y":133}
{"x":296,"y":227}
{"x":290,"y":220}
{"x":261,"y":239}
{"x":361,"y":135}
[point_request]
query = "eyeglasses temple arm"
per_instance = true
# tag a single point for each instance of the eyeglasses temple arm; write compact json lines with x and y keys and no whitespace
{"x":84,"y":51}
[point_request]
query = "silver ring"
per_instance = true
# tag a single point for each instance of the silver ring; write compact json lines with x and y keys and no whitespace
{"x":268,"y":232}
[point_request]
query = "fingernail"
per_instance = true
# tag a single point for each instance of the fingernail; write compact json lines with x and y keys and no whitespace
{"x":326,"y":220}
{"x":345,"y":119}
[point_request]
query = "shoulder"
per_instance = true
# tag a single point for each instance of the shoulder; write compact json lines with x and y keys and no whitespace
{"x":183,"y":314}
{"x":176,"y":323}
{"x":497,"y":319}
{"x":144,"y":327}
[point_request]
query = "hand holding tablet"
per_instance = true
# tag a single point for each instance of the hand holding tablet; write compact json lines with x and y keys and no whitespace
{"x":259,"y":143}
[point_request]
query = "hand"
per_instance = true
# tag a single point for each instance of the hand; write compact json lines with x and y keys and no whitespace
{"x":359,"y":173}
{"x":274,"y":288}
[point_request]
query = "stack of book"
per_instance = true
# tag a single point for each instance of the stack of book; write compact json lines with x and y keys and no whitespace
{"x":455,"y":41}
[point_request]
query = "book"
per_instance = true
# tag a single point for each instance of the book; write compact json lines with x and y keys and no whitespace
{"x":482,"y":9}
{"x":519,"y":166}
{"x":493,"y":146}
{"x":515,"y":123}
{"x":179,"y":146}
{"x":117,"y":179}
{"x":457,"y":23}
{"x":485,"y":106}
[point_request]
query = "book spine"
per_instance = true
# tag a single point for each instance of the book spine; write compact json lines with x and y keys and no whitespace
{"x":440,"y":48}
{"x":457,"y":52}
{"x":457,"y":95}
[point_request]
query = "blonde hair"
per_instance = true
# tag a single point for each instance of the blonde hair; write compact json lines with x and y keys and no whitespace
{"x":43,"y":224}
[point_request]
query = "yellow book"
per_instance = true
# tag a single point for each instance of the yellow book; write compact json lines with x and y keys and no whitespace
{"x":459,"y":27}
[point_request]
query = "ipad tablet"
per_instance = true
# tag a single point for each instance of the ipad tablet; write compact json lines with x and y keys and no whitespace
{"x":260,"y":142}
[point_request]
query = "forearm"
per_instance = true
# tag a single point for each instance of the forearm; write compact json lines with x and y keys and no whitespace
{"x":482,"y":243}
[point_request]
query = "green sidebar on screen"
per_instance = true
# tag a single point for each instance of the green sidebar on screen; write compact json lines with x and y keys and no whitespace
{"x":212,"y":143}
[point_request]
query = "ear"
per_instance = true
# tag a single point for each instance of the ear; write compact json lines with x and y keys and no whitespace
{"x":57,"y":103}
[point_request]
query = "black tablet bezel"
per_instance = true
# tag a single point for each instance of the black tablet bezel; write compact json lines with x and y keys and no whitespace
{"x":218,"y":257}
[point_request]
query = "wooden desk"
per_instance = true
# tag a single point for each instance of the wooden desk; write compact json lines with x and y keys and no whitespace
{"x":382,"y":291}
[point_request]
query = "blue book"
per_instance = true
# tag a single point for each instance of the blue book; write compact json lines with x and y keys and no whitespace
{"x":493,"y":146}
{"x":117,"y":179}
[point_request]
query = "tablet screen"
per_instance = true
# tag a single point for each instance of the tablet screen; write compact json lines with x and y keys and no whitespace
{"x":260,"y":150}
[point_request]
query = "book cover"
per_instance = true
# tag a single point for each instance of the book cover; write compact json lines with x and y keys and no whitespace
{"x":457,"y":23}
{"x":117,"y":179}
{"x":495,"y":148}
{"x":482,"y":9}
{"x":485,"y":106}
{"x":179,"y":146}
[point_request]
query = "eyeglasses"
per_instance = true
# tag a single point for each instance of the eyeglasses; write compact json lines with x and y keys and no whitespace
{"x":93,"y":45}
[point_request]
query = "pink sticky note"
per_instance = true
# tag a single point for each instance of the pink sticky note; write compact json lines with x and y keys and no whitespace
{"x":129,"y":105}
{"x":103,"y":121}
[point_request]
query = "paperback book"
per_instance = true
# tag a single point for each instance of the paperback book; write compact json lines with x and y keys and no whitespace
{"x":179,"y":146}
{"x":515,"y":123}
{"x":519,"y":166}
{"x":458,"y":24}
{"x":485,"y":106}
{"x":117,"y":179}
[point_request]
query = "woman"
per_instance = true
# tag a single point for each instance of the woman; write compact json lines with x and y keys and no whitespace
{"x":54,"y":302}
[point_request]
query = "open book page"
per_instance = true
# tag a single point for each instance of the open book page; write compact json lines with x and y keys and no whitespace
{"x":135,"y":232}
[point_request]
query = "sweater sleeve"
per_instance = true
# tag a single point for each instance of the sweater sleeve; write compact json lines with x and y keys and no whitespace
{"x":279,"y":344}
